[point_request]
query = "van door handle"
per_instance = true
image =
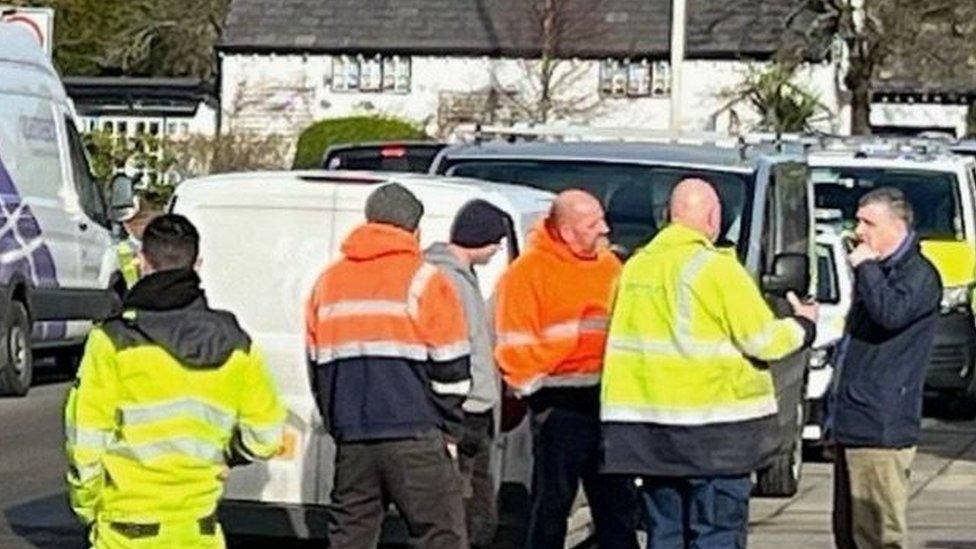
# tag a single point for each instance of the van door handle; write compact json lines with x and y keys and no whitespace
{"x":83,"y":226}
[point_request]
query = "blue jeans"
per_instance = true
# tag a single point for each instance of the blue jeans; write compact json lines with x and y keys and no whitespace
{"x":696,"y":513}
{"x":566,"y":445}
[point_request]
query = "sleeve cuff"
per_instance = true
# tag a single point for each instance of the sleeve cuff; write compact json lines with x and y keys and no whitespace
{"x":809,"y":330}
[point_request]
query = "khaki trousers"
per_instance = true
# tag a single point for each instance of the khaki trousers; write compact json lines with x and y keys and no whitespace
{"x":871,"y":487}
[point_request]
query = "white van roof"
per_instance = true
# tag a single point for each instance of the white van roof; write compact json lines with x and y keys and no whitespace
{"x":25,"y":68}
{"x":238,"y":186}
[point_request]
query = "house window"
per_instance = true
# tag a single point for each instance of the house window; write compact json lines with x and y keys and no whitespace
{"x":643,"y":78}
{"x":371,"y":74}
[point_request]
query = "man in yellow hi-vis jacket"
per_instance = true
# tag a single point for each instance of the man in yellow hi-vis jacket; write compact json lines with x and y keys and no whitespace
{"x":167,"y":396}
{"x":682,"y":403}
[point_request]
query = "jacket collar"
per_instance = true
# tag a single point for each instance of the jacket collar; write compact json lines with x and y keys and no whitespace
{"x":165,"y":291}
{"x":903,"y":251}
{"x":440,"y":254}
{"x":541,"y":240}
{"x":676,"y":234}
{"x":372,"y":240}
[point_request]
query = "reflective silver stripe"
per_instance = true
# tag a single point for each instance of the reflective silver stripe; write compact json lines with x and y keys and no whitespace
{"x":88,"y":472}
{"x":674,"y":349}
{"x":560,"y":330}
{"x":743,"y":411}
{"x":756,"y":345}
{"x":91,"y":438}
{"x":457,"y":388}
{"x":450,"y":352}
{"x":417,"y":286}
{"x":362,"y":307}
{"x":686,"y":299}
{"x":564,"y":380}
{"x":185,"y":407}
{"x":515,"y":338}
{"x":387,"y":349}
{"x":262,"y":436}
{"x":182,"y":446}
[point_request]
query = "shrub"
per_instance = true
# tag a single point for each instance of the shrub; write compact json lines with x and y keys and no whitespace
{"x":321,"y":135}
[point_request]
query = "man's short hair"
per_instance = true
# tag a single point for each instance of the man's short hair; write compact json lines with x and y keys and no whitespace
{"x":171,"y":242}
{"x":894,"y":199}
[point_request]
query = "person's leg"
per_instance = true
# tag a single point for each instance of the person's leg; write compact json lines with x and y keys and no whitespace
{"x":612,"y":498}
{"x":879,"y":495}
{"x":423,"y":482}
{"x":663,"y":506}
{"x":357,"y":508}
{"x":843,"y":533}
{"x":719,"y":512}
{"x":556,"y":471}
{"x":481,"y":507}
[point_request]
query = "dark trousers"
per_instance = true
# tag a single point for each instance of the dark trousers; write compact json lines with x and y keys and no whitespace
{"x":474,"y":461}
{"x":417,"y":475}
{"x":696,"y":513}
{"x":566,"y":445}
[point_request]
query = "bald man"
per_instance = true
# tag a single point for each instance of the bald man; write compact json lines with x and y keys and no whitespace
{"x":551,"y":319}
{"x":684,"y":404}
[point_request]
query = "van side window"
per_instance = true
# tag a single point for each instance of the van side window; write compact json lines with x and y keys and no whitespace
{"x":828,"y":290}
{"x":89,"y":191}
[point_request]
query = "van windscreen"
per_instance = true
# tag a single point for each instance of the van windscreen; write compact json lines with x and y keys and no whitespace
{"x":635,"y":196}
{"x":934,"y":196}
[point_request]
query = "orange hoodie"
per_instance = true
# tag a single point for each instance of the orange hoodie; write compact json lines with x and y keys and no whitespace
{"x":551,"y":316}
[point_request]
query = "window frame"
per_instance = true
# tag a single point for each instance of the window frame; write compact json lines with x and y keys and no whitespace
{"x":393,"y":74}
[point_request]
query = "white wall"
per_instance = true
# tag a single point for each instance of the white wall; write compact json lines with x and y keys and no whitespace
{"x":283,"y":94}
{"x":949,"y":117}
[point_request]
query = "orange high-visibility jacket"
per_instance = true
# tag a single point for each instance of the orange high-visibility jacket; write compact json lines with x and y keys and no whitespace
{"x":551,"y":316}
{"x":387,"y":340}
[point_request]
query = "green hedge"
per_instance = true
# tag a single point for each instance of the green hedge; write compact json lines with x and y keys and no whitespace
{"x":321,"y":135}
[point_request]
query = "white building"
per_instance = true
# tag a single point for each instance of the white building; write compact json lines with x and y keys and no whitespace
{"x":444,"y":62}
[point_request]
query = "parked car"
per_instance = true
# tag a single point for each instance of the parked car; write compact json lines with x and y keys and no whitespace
{"x":390,"y":156}
{"x":942,"y":190}
{"x":835,"y":291}
{"x":57,"y":269}
{"x":767,"y":218}
{"x":265,"y":238}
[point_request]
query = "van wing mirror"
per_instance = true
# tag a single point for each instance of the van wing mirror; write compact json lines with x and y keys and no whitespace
{"x":791,"y":273}
{"x":122,"y":205}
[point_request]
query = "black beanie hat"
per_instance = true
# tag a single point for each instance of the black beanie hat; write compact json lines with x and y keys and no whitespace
{"x":394,"y":204}
{"x":478,"y":224}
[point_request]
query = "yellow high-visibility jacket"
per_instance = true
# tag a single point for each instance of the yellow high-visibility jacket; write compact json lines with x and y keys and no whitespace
{"x":127,"y":254}
{"x":682,"y":393}
{"x":161,"y":400}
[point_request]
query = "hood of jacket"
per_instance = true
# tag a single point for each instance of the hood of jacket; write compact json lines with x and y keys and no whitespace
{"x":373,"y":240}
{"x":169,"y":309}
{"x":542,"y":241}
{"x":440,"y":255}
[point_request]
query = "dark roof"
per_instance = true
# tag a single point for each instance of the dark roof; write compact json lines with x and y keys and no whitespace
{"x":708,"y":156}
{"x":743,"y":28}
{"x":447,"y":27}
{"x":103,"y":95}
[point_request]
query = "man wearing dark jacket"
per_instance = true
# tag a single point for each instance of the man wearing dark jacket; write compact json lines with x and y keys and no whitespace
{"x":877,"y":400}
{"x":476,"y":235}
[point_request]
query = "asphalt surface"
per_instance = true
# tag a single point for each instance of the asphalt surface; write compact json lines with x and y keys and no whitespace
{"x":34,"y":512}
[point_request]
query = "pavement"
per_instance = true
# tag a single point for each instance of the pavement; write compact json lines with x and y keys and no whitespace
{"x":942,"y":511}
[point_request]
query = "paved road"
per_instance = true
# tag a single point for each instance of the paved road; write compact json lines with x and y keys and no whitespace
{"x":34,"y":513}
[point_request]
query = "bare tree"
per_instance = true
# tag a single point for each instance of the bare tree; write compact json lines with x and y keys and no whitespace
{"x":548,"y":86}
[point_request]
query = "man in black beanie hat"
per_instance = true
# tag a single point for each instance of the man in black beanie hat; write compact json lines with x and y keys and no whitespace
{"x":476,"y":236}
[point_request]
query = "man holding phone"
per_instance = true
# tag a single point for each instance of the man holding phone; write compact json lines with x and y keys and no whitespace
{"x":874,"y":414}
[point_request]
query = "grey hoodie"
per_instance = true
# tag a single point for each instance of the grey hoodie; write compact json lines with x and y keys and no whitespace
{"x":485,"y":384}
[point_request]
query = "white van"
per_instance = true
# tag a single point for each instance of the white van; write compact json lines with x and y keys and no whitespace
{"x":57,"y":271}
{"x":265,"y":238}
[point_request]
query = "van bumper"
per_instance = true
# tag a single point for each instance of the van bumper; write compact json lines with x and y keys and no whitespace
{"x":951,"y":364}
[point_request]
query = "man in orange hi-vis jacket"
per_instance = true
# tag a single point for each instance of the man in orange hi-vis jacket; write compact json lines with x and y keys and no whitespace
{"x":551,"y":319}
{"x":389,"y":358}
